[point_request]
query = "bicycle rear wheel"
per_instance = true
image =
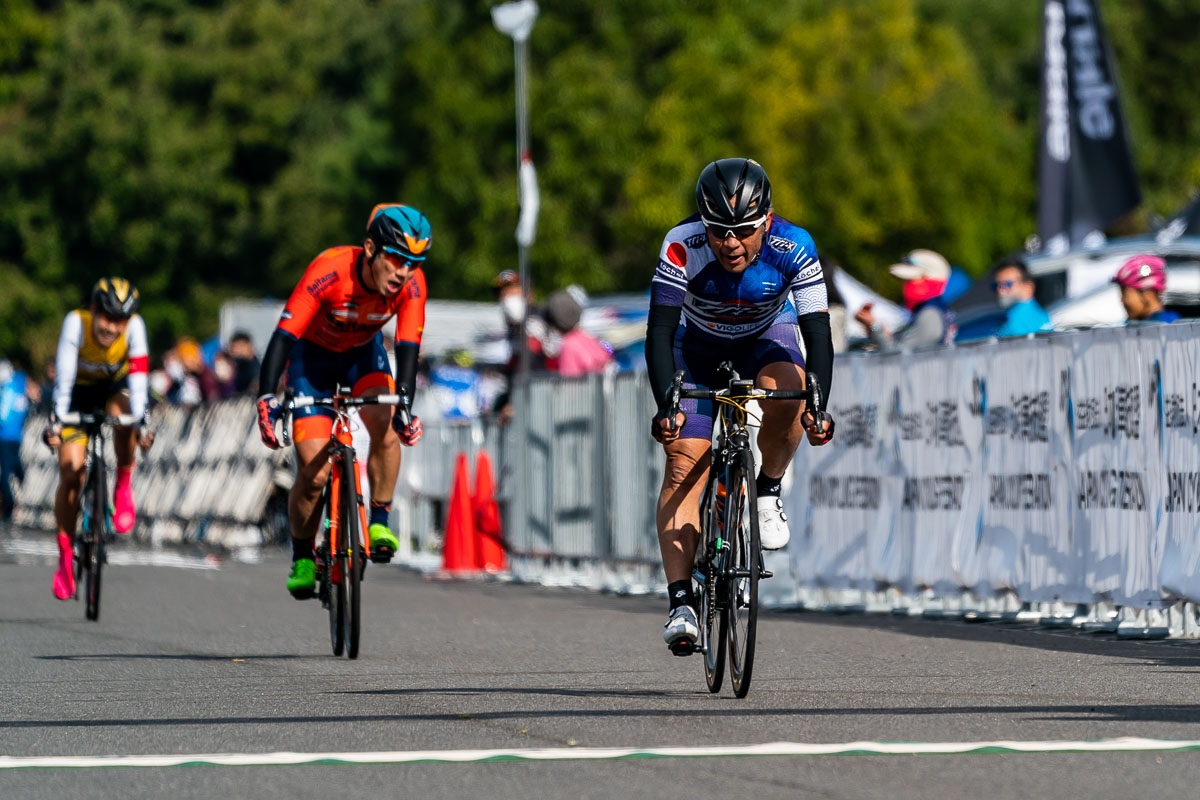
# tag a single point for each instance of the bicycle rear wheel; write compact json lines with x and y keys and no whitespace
{"x":714,"y":621}
{"x":353,"y":559}
{"x":94,"y":543}
{"x":745,"y":556}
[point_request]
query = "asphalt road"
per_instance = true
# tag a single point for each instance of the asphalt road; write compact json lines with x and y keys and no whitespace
{"x":219,"y":659}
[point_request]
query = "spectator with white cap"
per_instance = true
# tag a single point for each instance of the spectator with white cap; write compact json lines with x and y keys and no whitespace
{"x":1143,"y":279}
{"x":925,"y":274}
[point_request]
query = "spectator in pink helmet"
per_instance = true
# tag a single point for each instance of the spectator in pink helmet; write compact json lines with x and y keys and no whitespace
{"x":1143,"y":279}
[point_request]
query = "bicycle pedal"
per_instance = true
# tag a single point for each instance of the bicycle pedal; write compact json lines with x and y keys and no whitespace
{"x":765,"y":573}
{"x":304,"y":594}
{"x":683,"y":648}
{"x":382,"y":555}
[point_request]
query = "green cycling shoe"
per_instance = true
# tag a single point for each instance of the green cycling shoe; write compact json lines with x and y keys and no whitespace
{"x":383,"y":543}
{"x":302,"y":583}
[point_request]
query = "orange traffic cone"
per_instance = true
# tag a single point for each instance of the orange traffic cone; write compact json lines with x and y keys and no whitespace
{"x":458,"y":546}
{"x":489,"y":554}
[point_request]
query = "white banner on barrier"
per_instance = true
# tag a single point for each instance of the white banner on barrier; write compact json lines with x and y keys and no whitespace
{"x":839,"y":501}
{"x":938,"y":434}
{"x":1179,"y":519}
{"x":1023,"y":542}
{"x":1117,"y":464}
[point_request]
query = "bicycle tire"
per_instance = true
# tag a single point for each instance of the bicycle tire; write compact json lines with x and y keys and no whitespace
{"x":745,"y":563}
{"x":352,"y":539}
{"x":335,"y":568}
{"x":95,"y":547}
{"x":714,"y":621}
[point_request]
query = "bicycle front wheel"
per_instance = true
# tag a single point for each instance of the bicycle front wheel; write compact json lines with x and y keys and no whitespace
{"x":714,"y":621}
{"x":353,"y":559}
{"x":335,"y":580}
{"x":745,"y":556}
{"x":94,"y":544}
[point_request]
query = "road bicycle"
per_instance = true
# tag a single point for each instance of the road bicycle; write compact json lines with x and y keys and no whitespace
{"x":96,"y":529}
{"x":342,"y":555}
{"x":728,"y":563}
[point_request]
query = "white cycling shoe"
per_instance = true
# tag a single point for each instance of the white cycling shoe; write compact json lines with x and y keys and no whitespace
{"x":773,"y":530}
{"x":682,"y":631}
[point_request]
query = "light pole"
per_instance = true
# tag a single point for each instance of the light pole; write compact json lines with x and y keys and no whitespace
{"x":516,"y":19}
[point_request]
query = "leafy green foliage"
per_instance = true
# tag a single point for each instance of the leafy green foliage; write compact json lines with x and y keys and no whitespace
{"x":212,"y":148}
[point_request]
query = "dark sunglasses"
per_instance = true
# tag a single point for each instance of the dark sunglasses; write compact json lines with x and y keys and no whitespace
{"x":742,"y":232}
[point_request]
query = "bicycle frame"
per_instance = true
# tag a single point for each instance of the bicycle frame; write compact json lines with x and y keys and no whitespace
{"x":342,"y":445}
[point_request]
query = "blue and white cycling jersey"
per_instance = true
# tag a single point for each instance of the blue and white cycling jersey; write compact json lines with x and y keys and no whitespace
{"x":785,"y":281}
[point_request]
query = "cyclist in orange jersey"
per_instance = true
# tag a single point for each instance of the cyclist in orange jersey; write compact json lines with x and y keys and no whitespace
{"x":330,"y":334}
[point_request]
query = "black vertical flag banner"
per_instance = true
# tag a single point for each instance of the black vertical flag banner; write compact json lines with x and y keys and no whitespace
{"x":1086,"y":177}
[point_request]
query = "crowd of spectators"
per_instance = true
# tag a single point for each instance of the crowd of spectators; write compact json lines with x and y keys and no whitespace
{"x":928,"y":290}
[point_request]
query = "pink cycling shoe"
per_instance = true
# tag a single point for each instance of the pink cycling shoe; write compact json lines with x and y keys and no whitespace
{"x":124,"y":513}
{"x":64,"y":578}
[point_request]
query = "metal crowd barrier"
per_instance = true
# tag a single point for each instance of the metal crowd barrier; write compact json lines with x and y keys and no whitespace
{"x":207,"y":479}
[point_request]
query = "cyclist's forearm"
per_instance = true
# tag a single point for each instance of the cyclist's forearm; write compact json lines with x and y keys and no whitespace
{"x":818,"y":350}
{"x":406,"y":369}
{"x":661,"y":325}
{"x":275,"y":360}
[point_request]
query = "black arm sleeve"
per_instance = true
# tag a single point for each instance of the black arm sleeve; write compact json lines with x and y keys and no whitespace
{"x":274,"y":361}
{"x":660,"y":345}
{"x":406,"y":369}
{"x":818,"y":350}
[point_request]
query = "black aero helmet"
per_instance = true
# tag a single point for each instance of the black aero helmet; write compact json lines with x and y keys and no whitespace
{"x":733,"y":191}
{"x":116,"y":297}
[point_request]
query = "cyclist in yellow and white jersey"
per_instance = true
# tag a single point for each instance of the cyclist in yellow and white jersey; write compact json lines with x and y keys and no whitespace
{"x":102,"y":366}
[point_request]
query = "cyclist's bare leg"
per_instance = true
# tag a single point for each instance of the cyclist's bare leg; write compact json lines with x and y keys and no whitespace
{"x":312,"y":473}
{"x":781,"y":430}
{"x":71,"y":457}
{"x":679,"y":505}
{"x":383,"y":461}
{"x":124,"y":439}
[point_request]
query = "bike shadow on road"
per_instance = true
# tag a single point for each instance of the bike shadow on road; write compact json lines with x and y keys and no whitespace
{"x":1083,"y":712}
{"x":1178,"y":653}
{"x":177,"y":657}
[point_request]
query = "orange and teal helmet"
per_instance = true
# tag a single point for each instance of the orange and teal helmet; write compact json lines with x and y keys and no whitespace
{"x":400,"y":229}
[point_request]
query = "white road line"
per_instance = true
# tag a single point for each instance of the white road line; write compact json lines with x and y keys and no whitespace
{"x":1121,"y":745}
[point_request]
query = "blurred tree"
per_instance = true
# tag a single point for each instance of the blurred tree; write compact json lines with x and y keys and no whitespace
{"x":207,"y":148}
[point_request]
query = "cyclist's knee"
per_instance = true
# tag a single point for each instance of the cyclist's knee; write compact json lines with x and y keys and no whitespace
{"x":686,"y":465}
{"x":313,"y":476}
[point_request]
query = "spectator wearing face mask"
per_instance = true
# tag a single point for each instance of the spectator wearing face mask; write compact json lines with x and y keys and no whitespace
{"x":512,"y":307}
{"x":1014,"y":287}
{"x":925,"y":274}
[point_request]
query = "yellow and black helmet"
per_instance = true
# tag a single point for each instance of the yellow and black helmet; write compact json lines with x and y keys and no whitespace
{"x":116,"y":297}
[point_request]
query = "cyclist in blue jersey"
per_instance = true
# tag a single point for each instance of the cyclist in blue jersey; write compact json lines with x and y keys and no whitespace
{"x":734,"y":283}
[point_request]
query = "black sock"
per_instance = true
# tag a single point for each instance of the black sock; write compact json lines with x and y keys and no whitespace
{"x":301,"y":548}
{"x":680,"y":593}
{"x":766,"y":485}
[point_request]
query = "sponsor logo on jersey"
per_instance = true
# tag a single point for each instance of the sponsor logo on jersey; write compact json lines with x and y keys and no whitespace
{"x":710,"y":287}
{"x":781,"y":244}
{"x":695,"y":242}
{"x":810,"y":270}
{"x":677,"y":254}
{"x":320,"y":283}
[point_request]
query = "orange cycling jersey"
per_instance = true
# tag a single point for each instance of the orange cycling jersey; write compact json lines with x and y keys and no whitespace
{"x":331,"y":307}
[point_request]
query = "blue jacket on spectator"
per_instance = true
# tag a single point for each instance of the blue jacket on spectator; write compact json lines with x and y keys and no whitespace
{"x":1024,"y":318}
